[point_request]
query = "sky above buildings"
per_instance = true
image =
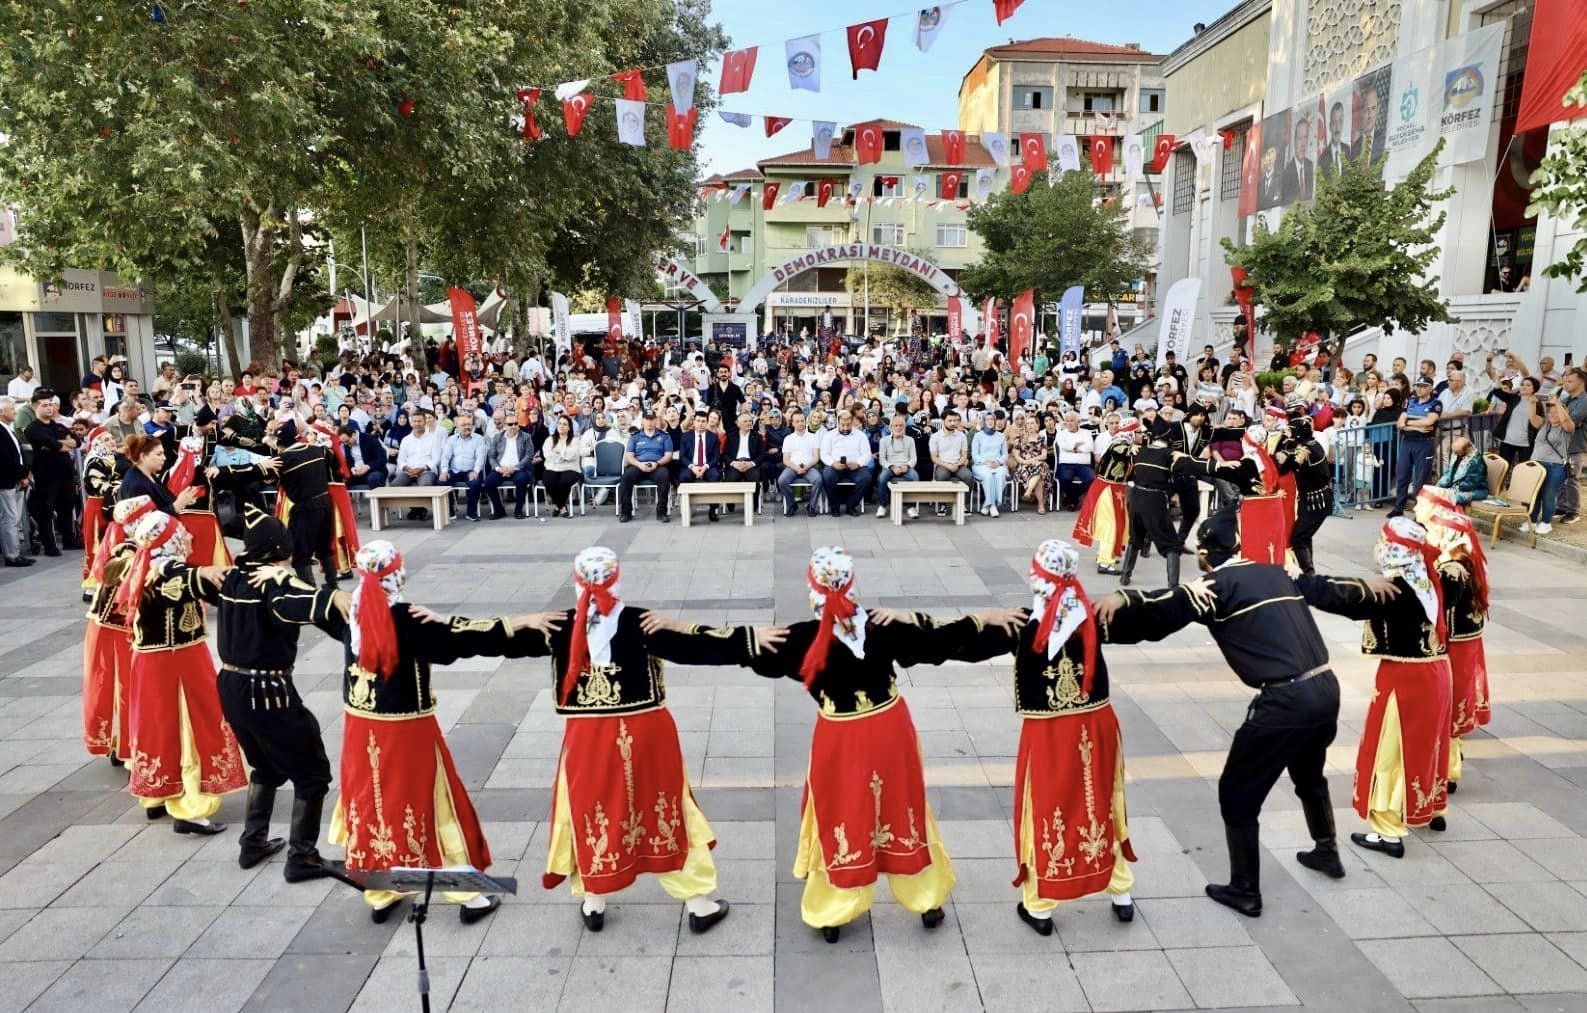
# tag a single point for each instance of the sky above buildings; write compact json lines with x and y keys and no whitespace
{"x":911,"y":86}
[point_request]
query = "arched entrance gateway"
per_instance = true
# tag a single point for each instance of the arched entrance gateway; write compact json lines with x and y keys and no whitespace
{"x":839,"y":253}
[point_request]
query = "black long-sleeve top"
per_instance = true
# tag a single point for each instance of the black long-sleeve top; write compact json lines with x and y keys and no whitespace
{"x":1396,"y":629}
{"x":1309,"y":463}
{"x":171,"y":611}
{"x":1256,"y":614}
{"x":136,"y":483}
{"x":102,"y":607}
{"x":306,"y":474}
{"x":1153,"y":468}
{"x":257,"y":627}
{"x":51,"y":463}
{"x":1466,"y":619}
{"x":1114,"y":465}
{"x":1244,"y":473}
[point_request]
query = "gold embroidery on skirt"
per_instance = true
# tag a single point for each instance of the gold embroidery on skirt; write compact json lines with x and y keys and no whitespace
{"x":666,"y":840}
{"x":380,"y":838}
{"x":223,"y":762}
{"x":146,"y":770}
{"x":599,"y":842}
{"x":633,"y":824}
{"x":355,"y":854}
{"x":417,"y":839}
{"x":1094,"y":836}
{"x":1052,"y":843}
{"x":882,"y":833}
{"x":843,"y":856}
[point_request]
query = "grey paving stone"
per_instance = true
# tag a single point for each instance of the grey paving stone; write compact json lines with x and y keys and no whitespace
{"x":1546,"y":906}
{"x":532,"y":930}
{"x":533,"y":983}
{"x":27,"y":980}
{"x":119,"y":884}
{"x":341,"y":925}
{"x":64,"y":934}
{"x":1011,"y":983}
{"x":1490,"y":862}
{"x":156,"y":932}
{"x":1374,"y":913}
{"x":747,"y":932}
{"x":312,"y":982}
{"x":804,"y":980}
{"x":393,"y":984}
{"x":1129,"y":981}
{"x":222,"y":985}
{"x":1428,"y":967}
{"x":1462,"y":909}
{"x":101,"y":985}
{"x":609,"y":982}
{"x":249,"y":932}
{"x":721,"y":982}
{"x":1089,"y":925}
{"x":1221,"y":977}
{"x":204,"y":883}
{"x":1524,"y":963}
{"x":1180,"y":923}
{"x":635,"y":930}
{"x":937,"y":977}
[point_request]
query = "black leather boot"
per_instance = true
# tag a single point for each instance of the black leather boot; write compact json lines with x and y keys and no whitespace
{"x":1173,"y":567}
{"x":303,"y":855}
{"x":1324,"y":857}
{"x":1243,"y":892}
{"x":1130,"y":555}
{"x":256,"y":844}
{"x":1303,"y":559}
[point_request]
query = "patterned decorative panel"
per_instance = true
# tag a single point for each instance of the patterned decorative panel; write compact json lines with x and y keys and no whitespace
{"x":1345,"y":37}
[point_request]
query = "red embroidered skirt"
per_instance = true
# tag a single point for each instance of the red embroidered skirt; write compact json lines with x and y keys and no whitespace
{"x":1264,"y":528}
{"x":1409,"y":716}
{"x":172,"y":702}
{"x":867,"y":787}
{"x":93,"y":530}
{"x":345,"y":540}
{"x":626,"y":789}
{"x":209,"y":546}
{"x":1071,"y":767}
{"x":107,"y":669}
{"x":1085,"y":521}
{"x":1468,"y":663}
{"x":402,"y":802}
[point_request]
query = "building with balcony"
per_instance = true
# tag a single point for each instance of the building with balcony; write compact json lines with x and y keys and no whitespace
{"x":887,"y":213}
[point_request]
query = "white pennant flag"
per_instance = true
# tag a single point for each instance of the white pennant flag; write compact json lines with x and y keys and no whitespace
{"x":920,"y":188}
{"x":737,"y":194}
{"x":996,"y":145}
{"x":796,"y":191}
{"x":821,"y":132}
{"x":681,"y":77}
{"x":984,"y":180}
{"x":630,"y":122}
{"x":913,"y":142}
{"x":1106,"y":121}
{"x":737,"y":119}
{"x":1143,"y":200}
{"x":1204,"y":147}
{"x":856,"y":188}
{"x":568,"y":89}
{"x":804,"y":62}
{"x":1068,"y":153}
{"x":1134,"y":156}
{"x":929,"y":25}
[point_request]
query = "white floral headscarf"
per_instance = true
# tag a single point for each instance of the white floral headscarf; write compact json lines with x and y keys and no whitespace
{"x":1060,"y":559}
{"x":832,"y":568}
{"x":101,"y":445}
{"x":1399,"y":560}
{"x":372,"y":558}
{"x":147,"y":530}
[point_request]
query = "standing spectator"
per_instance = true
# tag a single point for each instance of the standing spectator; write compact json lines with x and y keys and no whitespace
{"x":896,"y":460}
{"x":1457,"y":398}
{"x":1417,"y":424}
{"x":1075,"y":455}
{"x":701,"y":456}
{"x":1557,"y":425}
{"x":1515,"y":431}
{"x":14,"y":481}
{"x":463,"y":462}
{"x":646,"y":459}
{"x":846,"y":457}
{"x":989,"y":462}
{"x":563,"y":466}
{"x":54,"y":474}
{"x":723,"y":394}
{"x":22,"y":385}
{"x":1572,"y":397}
{"x":801,"y":455}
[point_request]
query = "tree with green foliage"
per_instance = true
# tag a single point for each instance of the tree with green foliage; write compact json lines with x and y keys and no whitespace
{"x":894,"y":289}
{"x":1360,"y":254}
{"x":1051,"y":237}
{"x":1560,"y":188}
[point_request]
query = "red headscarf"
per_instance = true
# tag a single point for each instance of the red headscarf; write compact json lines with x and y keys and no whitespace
{"x":183,"y":474}
{"x":579,"y":645}
{"x":838,"y":607}
{"x":377,"y":631}
{"x":130,"y":593}
{"x":1049,"y":618}
{"x":115,"y":534}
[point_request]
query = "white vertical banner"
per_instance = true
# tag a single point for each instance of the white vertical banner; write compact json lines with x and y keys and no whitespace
{"x":996,"y":145}
{"x":913,"y":142}
{"x":635,"y":324}
{"x":562,"y":337}
{"x":804,"y":62}
{"x":985,"y":179}
{"x":821,"y":132}
{"x":1179,"y":313}
{"x":680,"y":81}
{"x":630,"y":122}
{"x":1068,"y":153}
{"x":1412,"y":110}
{"x":1468,"y":69}
{"x":1134,"y":157}
{"x":920,"y":187}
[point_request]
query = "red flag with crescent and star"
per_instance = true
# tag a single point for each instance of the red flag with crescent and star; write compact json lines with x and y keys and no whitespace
{"x":1019,"y":177}
{"x":1163,"y":148}
{"x":1250,"y":172}
{"x":768,"y":195}
{"x":824,"y":191}
{"x":680,"y":127}
{"x":528,"y":97}
{"x":776,"y":123}
{"x":1033,"y":151}
{"x":865,"y":45}
{"x":950,"y":185}
{"x":953,"y":147}
{"x":1021,"y":325}
{"x":738,"y":67}
{"x":574,"y":109}
{"x":1101,"y":155}
{"x":868,"y":144}
{"x":633,"y":82}
{"x":1004,"y":9}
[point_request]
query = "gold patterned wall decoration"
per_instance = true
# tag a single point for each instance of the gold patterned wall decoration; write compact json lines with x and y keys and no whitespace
{"x":1345,"y":37}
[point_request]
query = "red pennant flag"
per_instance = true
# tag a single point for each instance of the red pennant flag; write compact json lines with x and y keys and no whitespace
{"x":574,"y":109}
{"x":528,"y":97}
{"x":824,"y":191}
{"x":1157,"y":200}
{"x":1022,"y":325}
{"x":1019,"y":176}
{"x":865,"y":45}
{"x":1228,"y":138}
{"x":725,"y":240}
{"x":768,"y":195}
{"x":633,"y":82}
{"x":953,"y":146}
{"x":776,"y":123}
{"x":1101,"y":155}
{"x":950,"y":185}
{"x":738,"y":66}
{"x":1161,"y":151}
{"x":1005,"y":9}
{"x":1251,"y":172}
{"x":680,"y":128}
{"x":1033,"y":150}
{"x":868,"y":144}
{"x":991,"y":323}
{"x":614,"y":322}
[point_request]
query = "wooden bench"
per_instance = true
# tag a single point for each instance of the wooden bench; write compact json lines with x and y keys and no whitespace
{"x":718,"y":493}
{"x":435,"y":498}
{"x":904,"y":493}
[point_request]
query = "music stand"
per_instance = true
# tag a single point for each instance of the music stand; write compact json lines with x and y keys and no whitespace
{"x":455,"y":878}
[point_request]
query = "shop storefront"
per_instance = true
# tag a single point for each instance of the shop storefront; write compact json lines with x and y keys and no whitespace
{"x":58,"y":329}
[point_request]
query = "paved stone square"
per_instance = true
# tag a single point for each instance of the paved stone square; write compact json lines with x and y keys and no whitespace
{"x":101,"y":910}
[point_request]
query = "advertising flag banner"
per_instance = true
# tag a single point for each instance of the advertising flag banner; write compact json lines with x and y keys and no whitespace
{"x":865,"y":45}
{"x":738,"y":67}
{"x":630,"y":122}
{"x":913,"y":142}
{"x":1179,"y":314}
{"x":680,"y":79}
{"x":984,"y":181}
{"x":1134,"y":157}
{"x":821,"y":132}
{"x":1070,"y":312}
{"x":1068,"y":153}
{"x":465,"y":323}
{"x":562,"y":335}
{"x":1022,"y":326}
{"x":804,"y":62}
{"x":1161,"y":149}
{"x":634,"y":324}
{"x":953,"y":147}
{"x":1412,"y":111}
{"x":955,"y":317}
{"x":929,"y":25}
{"x":1469,"y":69}
{"x":868,"y":139}
{"x":996,"y":145}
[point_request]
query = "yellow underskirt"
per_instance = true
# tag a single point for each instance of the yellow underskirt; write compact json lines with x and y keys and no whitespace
{"x":824,"y":905}
{"x":193,"y":803}
{"x":1103,"y":528}
{"x":1123,"y":879}
{"x":1386,"y":797}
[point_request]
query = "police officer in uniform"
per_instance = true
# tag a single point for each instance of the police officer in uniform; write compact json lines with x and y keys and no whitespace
{"x":262,"y":604}
{"x":1151,"y":483}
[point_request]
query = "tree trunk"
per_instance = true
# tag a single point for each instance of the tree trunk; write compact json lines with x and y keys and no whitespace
{"x":228,"y":335}
{"x":258,"y":240}
{"x":412,"y":243}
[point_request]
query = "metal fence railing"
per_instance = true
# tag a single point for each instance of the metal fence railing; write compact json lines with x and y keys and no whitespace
{"x":1364,"y":457}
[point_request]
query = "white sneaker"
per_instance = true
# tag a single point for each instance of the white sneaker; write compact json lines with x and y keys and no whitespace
{"x":1543,"y":529}
{"x":881,"y":512}
{"x":994,"y":510}
{"x":985,"y":510}
{"x":1526,"y":527}
{"x":914,"y":513}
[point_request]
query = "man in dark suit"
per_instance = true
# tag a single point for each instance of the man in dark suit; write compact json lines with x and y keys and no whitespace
{"x":742,"y":457}
{"x":54,"y":475}
{"x":366,"y":458}
{"x":13,"y":489}
{"x":1300,"y":170}
{"x":509,"y":459}
{"x":1272,"y":179}
{"x":701,"y":457}
{"x":1337,"y":148}
{"x":1374,"y":128}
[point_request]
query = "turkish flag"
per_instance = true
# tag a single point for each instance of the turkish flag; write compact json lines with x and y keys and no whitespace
{"x":950,"y":185}
{"x":633,"y":82}
{"x":776,"y":123}
{"x":531,"y":129}
{"x":1251,"y":172}
{"x":865,"y":45}
{"x":1004,"y":9}
{"x":1553,"y":64}
{"x":738,"y":66}
{"x":574,"y":108}
{"x":680,"y":128}
{"x":991,"y":323}
{"x":1161,"y":150}
{"x":1019,"y":177}
{"x":768,"y":195}
{"x":953,"y":146}
{"x":1033,"y":151}
{"x":725,"y":240}
{"x":824,"y":191}
{"x":868,"y":143}
{"x":1022,"y":325}
{"x":614,"y":322}
{"x":1101,"y":155}
{"x":1228,"y":138}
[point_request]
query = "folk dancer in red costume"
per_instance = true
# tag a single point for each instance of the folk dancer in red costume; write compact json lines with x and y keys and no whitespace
{"x":107,"y":643}
{"x":209,"y":546}
{"x":864,"y":810}
{"x":622,"y":806}
{"x":1403,"y":761}
{"x":1463,"y":571}
{"x":402,"y":802}
{"x":184,"y":756}
{"x":1104,"y":517}
{"x":1264,"y":514}
{"x":99,"y":497}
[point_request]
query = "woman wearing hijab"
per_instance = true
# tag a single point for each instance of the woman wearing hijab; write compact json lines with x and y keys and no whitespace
{"x":864,"y":811}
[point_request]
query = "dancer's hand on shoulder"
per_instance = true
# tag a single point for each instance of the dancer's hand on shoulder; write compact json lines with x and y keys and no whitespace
{"x":1009,"y":620}
{"x":656,"y":622}
{"x":1106,"y":607}
{"x":887,"y":617}
{"x":1382,"y":588}
{"x":545,"y":622}
{"x":424,"y":615}
{"x":770,"y":637}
